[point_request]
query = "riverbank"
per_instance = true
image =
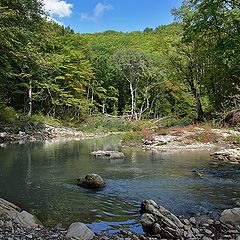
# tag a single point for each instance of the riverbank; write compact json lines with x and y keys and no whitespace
{"x":158,"y":222}
{"x":184,"y":138}
{"x":149,"y":136}
{"x":167,"y":140}
{"x":43,"y":132}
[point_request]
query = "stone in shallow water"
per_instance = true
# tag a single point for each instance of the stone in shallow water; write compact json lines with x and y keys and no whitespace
{"x":80,"y":230}
{"x":92,"y":181}
{"x":108,"y":154}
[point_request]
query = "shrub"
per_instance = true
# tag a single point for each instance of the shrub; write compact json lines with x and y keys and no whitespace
{"x":112,"y":123}
{"x":132,"y":138}
{"x":204,"y":136}
{"x":7,"y":114}
{"x":174,"y":121}
{"x":162,"y":131}
{"x":44,"y":119}
{"x":233,"y":139}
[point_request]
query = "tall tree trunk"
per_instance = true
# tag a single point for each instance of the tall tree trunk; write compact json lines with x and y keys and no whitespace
{"x":198,"y":104}
{"x":134,"y":110}
{"x":30,"y":97}
{"x":103,"y":108}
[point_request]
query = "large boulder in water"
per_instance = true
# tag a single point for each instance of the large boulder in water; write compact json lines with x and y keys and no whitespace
{"x":108,"y":154}
{"x":233,"y":118}
{"x":92,"y":181}
{"x":158,"y":220}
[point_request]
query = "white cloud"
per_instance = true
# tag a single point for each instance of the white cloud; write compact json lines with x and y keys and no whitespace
{"x":98,"y":12}
{"x":58,"y":7}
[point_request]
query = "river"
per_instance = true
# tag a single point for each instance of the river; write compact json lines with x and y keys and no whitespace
{"x":41,"y":178}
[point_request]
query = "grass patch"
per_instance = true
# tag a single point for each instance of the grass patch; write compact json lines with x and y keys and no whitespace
{"x":173,"y":122}
{"x":205,"y":136}
{"x":162,"y":131}
{"x":235,"y":139}
{"x":44,"y":119}
{"x":132,"y":138}
{"x":102,"y":123}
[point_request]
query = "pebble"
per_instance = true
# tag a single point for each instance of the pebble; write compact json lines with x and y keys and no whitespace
{"x":206,"y":238}
{"x":186,"y":221}
{"x":207,"y":231}
{"x":192,"y":220}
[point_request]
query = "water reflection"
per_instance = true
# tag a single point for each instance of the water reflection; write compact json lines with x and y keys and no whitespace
{"x":40,"y":177}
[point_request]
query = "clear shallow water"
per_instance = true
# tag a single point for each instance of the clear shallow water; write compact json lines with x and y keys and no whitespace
{"x":41,"y":178}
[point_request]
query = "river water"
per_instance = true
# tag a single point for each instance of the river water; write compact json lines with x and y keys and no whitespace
{"x":41,"y":178}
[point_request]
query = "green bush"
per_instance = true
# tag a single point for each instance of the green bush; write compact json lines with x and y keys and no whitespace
{"x":103,"y":123}
{"x":174,"y":121}
{"x":112,"y":123}
{"x":132,"y":138}
{"x":7,"y":114}
{"x":44,"y":119}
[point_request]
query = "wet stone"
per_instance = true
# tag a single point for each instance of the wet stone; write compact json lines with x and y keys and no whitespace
{"x":206,"y":238}
{"x":207,"y":231}
{"x":192,"y":220}
{"x":186,"y":221}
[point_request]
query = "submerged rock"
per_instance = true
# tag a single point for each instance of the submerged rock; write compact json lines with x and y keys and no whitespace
{"x":158,"y":220}
{"x":227,"y":155}
{"x":92,"y":181}
{"x":108,"y":154}
{"x":79,"y":230}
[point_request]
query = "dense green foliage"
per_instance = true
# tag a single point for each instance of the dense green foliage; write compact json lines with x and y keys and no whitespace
{"x":185,"y":69}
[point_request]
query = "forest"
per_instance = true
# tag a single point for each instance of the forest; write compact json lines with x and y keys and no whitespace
{"x":188,"y":69}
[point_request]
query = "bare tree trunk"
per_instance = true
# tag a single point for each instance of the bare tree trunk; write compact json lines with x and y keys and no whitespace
{"x":30,"y":97}
{"x":103,"y":108}
{"x":49,"y":92}
{"x":133,"y":111}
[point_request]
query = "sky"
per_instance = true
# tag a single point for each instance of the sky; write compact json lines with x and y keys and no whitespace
{"x":90,"y":16}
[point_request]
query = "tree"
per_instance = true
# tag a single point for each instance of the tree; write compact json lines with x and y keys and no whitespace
{"x":21,"y":24}
{"x":133,"y":66}
{"x":213,"y":25}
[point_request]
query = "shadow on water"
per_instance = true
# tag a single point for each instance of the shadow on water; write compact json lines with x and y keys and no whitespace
{"x":39,"y":177}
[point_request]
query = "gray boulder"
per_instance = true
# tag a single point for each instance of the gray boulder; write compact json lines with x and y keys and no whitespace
{"x":23,"y":218}
{"x":92,"y":181}
{"x":79,"y":230}
{"x":158,"y":220}
{"x":108,"y":154}
{"x":231,"y":216}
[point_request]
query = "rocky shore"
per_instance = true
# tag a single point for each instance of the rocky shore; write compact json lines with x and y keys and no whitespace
{"x":41,"y":132}
{"x":157,"y":222}
{"x":191,"y":138}
{"x":227,"y":156}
